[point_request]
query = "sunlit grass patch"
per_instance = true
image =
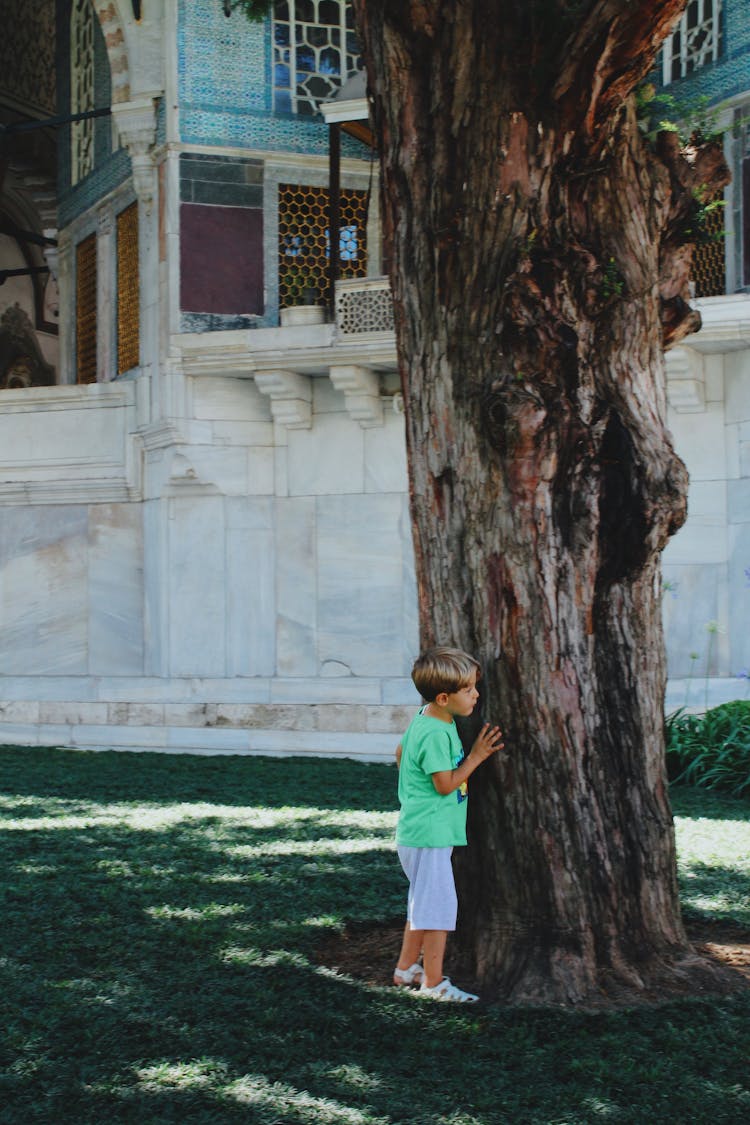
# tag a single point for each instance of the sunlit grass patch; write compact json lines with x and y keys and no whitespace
{"x":159,"y":964}
{"x":209,"y":910}
{"x":253,"y":1090}
{"x":714,"y":857}
{"x":195,"y":1074}
{"x":271,"y":958}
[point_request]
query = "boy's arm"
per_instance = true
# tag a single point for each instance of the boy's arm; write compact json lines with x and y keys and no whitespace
{"x":398,"y":755}
{"x":488,"y":742}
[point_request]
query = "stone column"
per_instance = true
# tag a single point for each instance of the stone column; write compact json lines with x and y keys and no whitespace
{"x":67,"y":318}
{"x":106,"y":319}
{"x":136,"y":123}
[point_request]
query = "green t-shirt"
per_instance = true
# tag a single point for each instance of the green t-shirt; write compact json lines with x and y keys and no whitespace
{"x":429,"y":819}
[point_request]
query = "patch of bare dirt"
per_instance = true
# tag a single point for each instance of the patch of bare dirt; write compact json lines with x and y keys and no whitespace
{"x":368,"y":953}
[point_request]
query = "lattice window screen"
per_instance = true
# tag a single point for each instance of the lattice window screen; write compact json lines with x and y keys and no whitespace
{"x":315,"y":50}
{"x":82,"y":88}
{"x":695,"y":41}
{"x":709,"y":259}
{"x":86,"y":310}
{"x":128,"y":322}
{"x":304,"y":245}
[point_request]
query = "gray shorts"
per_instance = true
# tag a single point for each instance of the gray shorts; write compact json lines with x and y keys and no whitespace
{"x":432,"y":903}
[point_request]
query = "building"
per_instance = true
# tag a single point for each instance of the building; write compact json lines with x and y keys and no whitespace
{"x":705,"y":67}
{"x":204,"y":529}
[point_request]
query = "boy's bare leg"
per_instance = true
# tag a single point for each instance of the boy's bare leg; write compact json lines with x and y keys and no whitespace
{"x":434,"y":942}
{"x":411,"y":947}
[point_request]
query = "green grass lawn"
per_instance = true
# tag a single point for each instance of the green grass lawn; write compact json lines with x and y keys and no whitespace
{"x":159,"y":915}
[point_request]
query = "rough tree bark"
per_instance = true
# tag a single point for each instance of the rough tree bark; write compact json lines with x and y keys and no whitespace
{"x":538,"y":256}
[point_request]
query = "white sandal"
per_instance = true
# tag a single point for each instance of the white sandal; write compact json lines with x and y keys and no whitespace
{"x":447,"y":991}
{"x":405,"y":977}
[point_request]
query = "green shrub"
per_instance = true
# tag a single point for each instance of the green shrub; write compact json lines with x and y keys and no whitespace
{"x":711,"y":750}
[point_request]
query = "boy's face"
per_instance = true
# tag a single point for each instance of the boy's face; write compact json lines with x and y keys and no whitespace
{"x":463,"y":701}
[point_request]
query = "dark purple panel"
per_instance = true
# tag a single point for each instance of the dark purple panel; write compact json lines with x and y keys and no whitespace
{"x":221,"y":259}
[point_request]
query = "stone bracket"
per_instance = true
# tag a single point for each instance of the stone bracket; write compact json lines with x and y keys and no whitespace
{"x":361,"y":390}
{"x":290,"y":395}
{"x":136,"y":124}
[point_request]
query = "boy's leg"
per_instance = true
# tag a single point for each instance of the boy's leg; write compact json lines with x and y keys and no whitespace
{"x":433,"y":944}
{"x":411,"y":947}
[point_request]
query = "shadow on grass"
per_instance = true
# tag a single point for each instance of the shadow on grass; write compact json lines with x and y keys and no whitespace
{"x":229,"y":780}
{"x":715,"y":891}
{"x":692,"y":801}
{"x":156,"y":967}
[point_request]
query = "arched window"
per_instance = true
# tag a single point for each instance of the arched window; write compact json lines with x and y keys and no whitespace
{"x":82,"y":78}
{"x":314,"y":51}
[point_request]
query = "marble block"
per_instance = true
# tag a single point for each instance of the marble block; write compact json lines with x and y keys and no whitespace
{"x":43,"y":590}
{"x":739,"y":597}
{"x":197,"y":586}
{"x":296,"y":595}
{"x":156,"y":586}
{"x":251,"y":588}
{"x":115,"y":590}
{"x":699,"y":440}
{"x":385,"y":456}
{"x":703,"y":537}
{"x":360,"y":583}
{"x":19,"y":710}
{"x":328,"y":458}
{"x":739,"y":501}
{"x":223,"y":467}
{"x":687,"y":610}
{"x":737,"y":376}
{"x":56,"y":435}
{"x":235,"y":400}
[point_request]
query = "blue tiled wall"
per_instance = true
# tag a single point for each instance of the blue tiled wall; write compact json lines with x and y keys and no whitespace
{"x":730,"y":74}
{"x":225,"y":87}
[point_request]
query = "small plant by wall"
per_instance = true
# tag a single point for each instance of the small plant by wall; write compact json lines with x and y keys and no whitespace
{"x":711,"y":750}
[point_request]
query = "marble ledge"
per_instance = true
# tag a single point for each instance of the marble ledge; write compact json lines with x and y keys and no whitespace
{"x":67,"y":396}
{"x":187,"y":740}
{"x":70,"y":491}
{"x":308,"y":351}
{"x":196,"y":691}
{"x":373,"y":719}
{"x":691,"y":693}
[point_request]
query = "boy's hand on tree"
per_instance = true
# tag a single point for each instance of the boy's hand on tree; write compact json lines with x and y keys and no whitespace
{"x":488,"y":742}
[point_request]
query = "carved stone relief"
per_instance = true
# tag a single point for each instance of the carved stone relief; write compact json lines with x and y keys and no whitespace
{"x":21,"y":362}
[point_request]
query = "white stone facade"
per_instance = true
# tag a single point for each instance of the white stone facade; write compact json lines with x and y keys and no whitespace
{"x":212,"y":553}
{"x":707,"y":564}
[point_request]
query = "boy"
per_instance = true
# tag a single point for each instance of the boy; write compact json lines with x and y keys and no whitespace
{"x":432,"y":791}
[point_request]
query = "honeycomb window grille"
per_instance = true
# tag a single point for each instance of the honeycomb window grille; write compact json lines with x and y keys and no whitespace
{"x":128,"y":321}
{"x":304,"y":244}
{"x":708,"y":271}
{"x":86,"y":310}
{"x":695,"y":41}
{"x":315,"y":50}
{"x":82,"y":78}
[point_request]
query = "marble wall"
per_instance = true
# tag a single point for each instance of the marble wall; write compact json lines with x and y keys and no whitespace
{"x":310,"y":578}
{"x":707,"y":564}
{"x":229,"y":583}
{"x":71,"y":580}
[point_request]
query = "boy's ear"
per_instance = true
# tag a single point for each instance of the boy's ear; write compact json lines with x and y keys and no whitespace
{"x":441,"y":698}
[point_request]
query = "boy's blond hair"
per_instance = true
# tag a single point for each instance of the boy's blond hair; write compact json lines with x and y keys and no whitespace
{"x":443,"y":669}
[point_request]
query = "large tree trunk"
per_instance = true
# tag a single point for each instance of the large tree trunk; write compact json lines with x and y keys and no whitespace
{"x":537,"y":262}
